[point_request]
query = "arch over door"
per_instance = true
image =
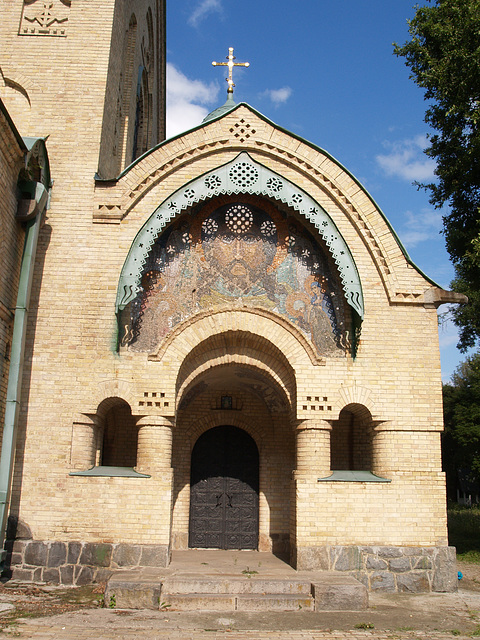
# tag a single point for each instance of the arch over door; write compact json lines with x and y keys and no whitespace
{"x":224,"y":487}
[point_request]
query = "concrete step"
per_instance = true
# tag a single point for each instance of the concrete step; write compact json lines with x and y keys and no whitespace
{"x":234,"y":585}
{"x":275,"y":602}
{"x":237,"y":602}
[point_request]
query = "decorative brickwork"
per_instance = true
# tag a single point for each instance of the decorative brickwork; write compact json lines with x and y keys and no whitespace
{"x":41,"y":18}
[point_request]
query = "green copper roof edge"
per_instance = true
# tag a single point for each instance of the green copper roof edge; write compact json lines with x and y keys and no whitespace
{"x":297,"y":137}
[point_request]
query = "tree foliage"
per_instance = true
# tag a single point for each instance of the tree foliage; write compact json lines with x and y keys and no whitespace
{"x":461,"y":407}
{"x":444,"y":58}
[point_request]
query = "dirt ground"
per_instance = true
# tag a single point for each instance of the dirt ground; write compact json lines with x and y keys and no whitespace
{"x":454,"y":614}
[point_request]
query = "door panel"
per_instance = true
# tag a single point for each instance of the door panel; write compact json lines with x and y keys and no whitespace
{"x":224,"y":490}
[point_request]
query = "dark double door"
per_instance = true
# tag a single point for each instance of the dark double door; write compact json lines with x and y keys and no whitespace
{"x":224,"y":490}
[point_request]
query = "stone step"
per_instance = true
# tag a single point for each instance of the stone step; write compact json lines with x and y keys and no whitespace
{"x":187,"y":592}
{"x":275,"y":602}
{"x":234,"y":585}
{"x":238,"y":602}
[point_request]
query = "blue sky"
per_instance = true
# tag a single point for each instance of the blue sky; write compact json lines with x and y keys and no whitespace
{"x":325,"y":71}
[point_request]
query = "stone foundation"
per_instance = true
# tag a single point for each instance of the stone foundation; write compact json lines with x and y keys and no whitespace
{"x":391,"y":569}
{"x":78,"y":563}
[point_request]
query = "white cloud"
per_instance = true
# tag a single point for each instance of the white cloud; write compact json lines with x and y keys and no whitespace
{"x":203,"y":9}
{"x":419,"y":227}
{"x":185,"y":100}
{"x":406,"y":160}
{"x":278,"y":96}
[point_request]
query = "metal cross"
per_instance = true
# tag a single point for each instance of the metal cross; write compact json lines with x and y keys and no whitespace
{"x":230,"y":64}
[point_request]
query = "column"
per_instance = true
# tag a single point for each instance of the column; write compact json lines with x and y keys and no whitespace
{"x":313,"y":447}
{"x":154,"y":449}
{"x":84,"y":442}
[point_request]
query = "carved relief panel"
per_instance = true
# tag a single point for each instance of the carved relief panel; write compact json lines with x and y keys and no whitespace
{"x":44,"y":18}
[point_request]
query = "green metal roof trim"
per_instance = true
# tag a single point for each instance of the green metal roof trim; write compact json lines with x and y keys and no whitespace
{"x":353,"y":476}
{"x":239,"y":176}
{"x":221,"y":113}
{"x":110,"y":472}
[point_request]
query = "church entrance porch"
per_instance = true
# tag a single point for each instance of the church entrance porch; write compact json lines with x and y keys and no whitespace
{"x":233,"y":449}
{"x":224,"y":490}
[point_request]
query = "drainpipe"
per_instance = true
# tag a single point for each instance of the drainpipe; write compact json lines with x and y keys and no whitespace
{"x":31,"y":210}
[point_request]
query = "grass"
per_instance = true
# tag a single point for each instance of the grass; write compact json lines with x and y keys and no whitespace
{"x":464,"y":531}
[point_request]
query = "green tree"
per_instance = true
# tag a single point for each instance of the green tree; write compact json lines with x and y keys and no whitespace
{"x":461,"y":408}
{"x":444,"y":58}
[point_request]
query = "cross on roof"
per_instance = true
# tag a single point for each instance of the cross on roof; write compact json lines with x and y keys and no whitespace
{"x":230,"y":64}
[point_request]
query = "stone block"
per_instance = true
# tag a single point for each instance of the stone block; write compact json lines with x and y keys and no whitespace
{"x":376,"y":564}
{"x":390,"y":552}
{"x":155,"y":555}
{"x":400,"y":565}
{"x":423,"y":562}
{"x":132,"y":595}
{"x":96,"y":554}
{"x":382,"y":581}
{"x":340,"y":596}
{"x":57,"y":554}
{"x":347,"y":559}
{"x":66,"y":574}
{"x":19,"y":546}
{"x":24,"y":575}
{"x":74,"y":550}
{"x":36,"y":554}
{"x":127,"y":555}
{"x":37,"y":574}
{"x":413,"y":582}
{"x":312,"y":559}
{"x":51,"y":575}
{"x":445,"y":576}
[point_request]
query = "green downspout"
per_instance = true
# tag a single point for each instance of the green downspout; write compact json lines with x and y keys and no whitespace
{"x":14,"y":387}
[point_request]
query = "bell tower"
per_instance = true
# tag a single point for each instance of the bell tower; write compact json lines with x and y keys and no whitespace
{"x":90,"y":76}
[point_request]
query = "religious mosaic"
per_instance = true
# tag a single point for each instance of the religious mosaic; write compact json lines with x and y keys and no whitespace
{"x":238,"y":253}
{"x":44,"y":17}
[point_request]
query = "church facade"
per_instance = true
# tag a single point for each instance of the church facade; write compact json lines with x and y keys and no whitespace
{"x":229,"y":348}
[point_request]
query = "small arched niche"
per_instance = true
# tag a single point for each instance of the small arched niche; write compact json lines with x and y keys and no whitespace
{"x":120,"y":434}
{"x":351,"y":440}
{"x":105,"y":440}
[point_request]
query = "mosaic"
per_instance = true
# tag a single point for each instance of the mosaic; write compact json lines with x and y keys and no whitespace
{"x":238,"y":253}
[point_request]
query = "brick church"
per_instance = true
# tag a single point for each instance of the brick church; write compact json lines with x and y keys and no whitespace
{"x":211,"y":341}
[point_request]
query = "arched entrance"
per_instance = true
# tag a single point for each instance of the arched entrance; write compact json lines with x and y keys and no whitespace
{"x":224,"y":488}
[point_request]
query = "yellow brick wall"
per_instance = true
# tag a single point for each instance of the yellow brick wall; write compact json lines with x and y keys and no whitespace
{"x":73,"y":365}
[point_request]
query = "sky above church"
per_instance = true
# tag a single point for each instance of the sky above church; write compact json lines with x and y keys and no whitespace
{"x":326,"y":72}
